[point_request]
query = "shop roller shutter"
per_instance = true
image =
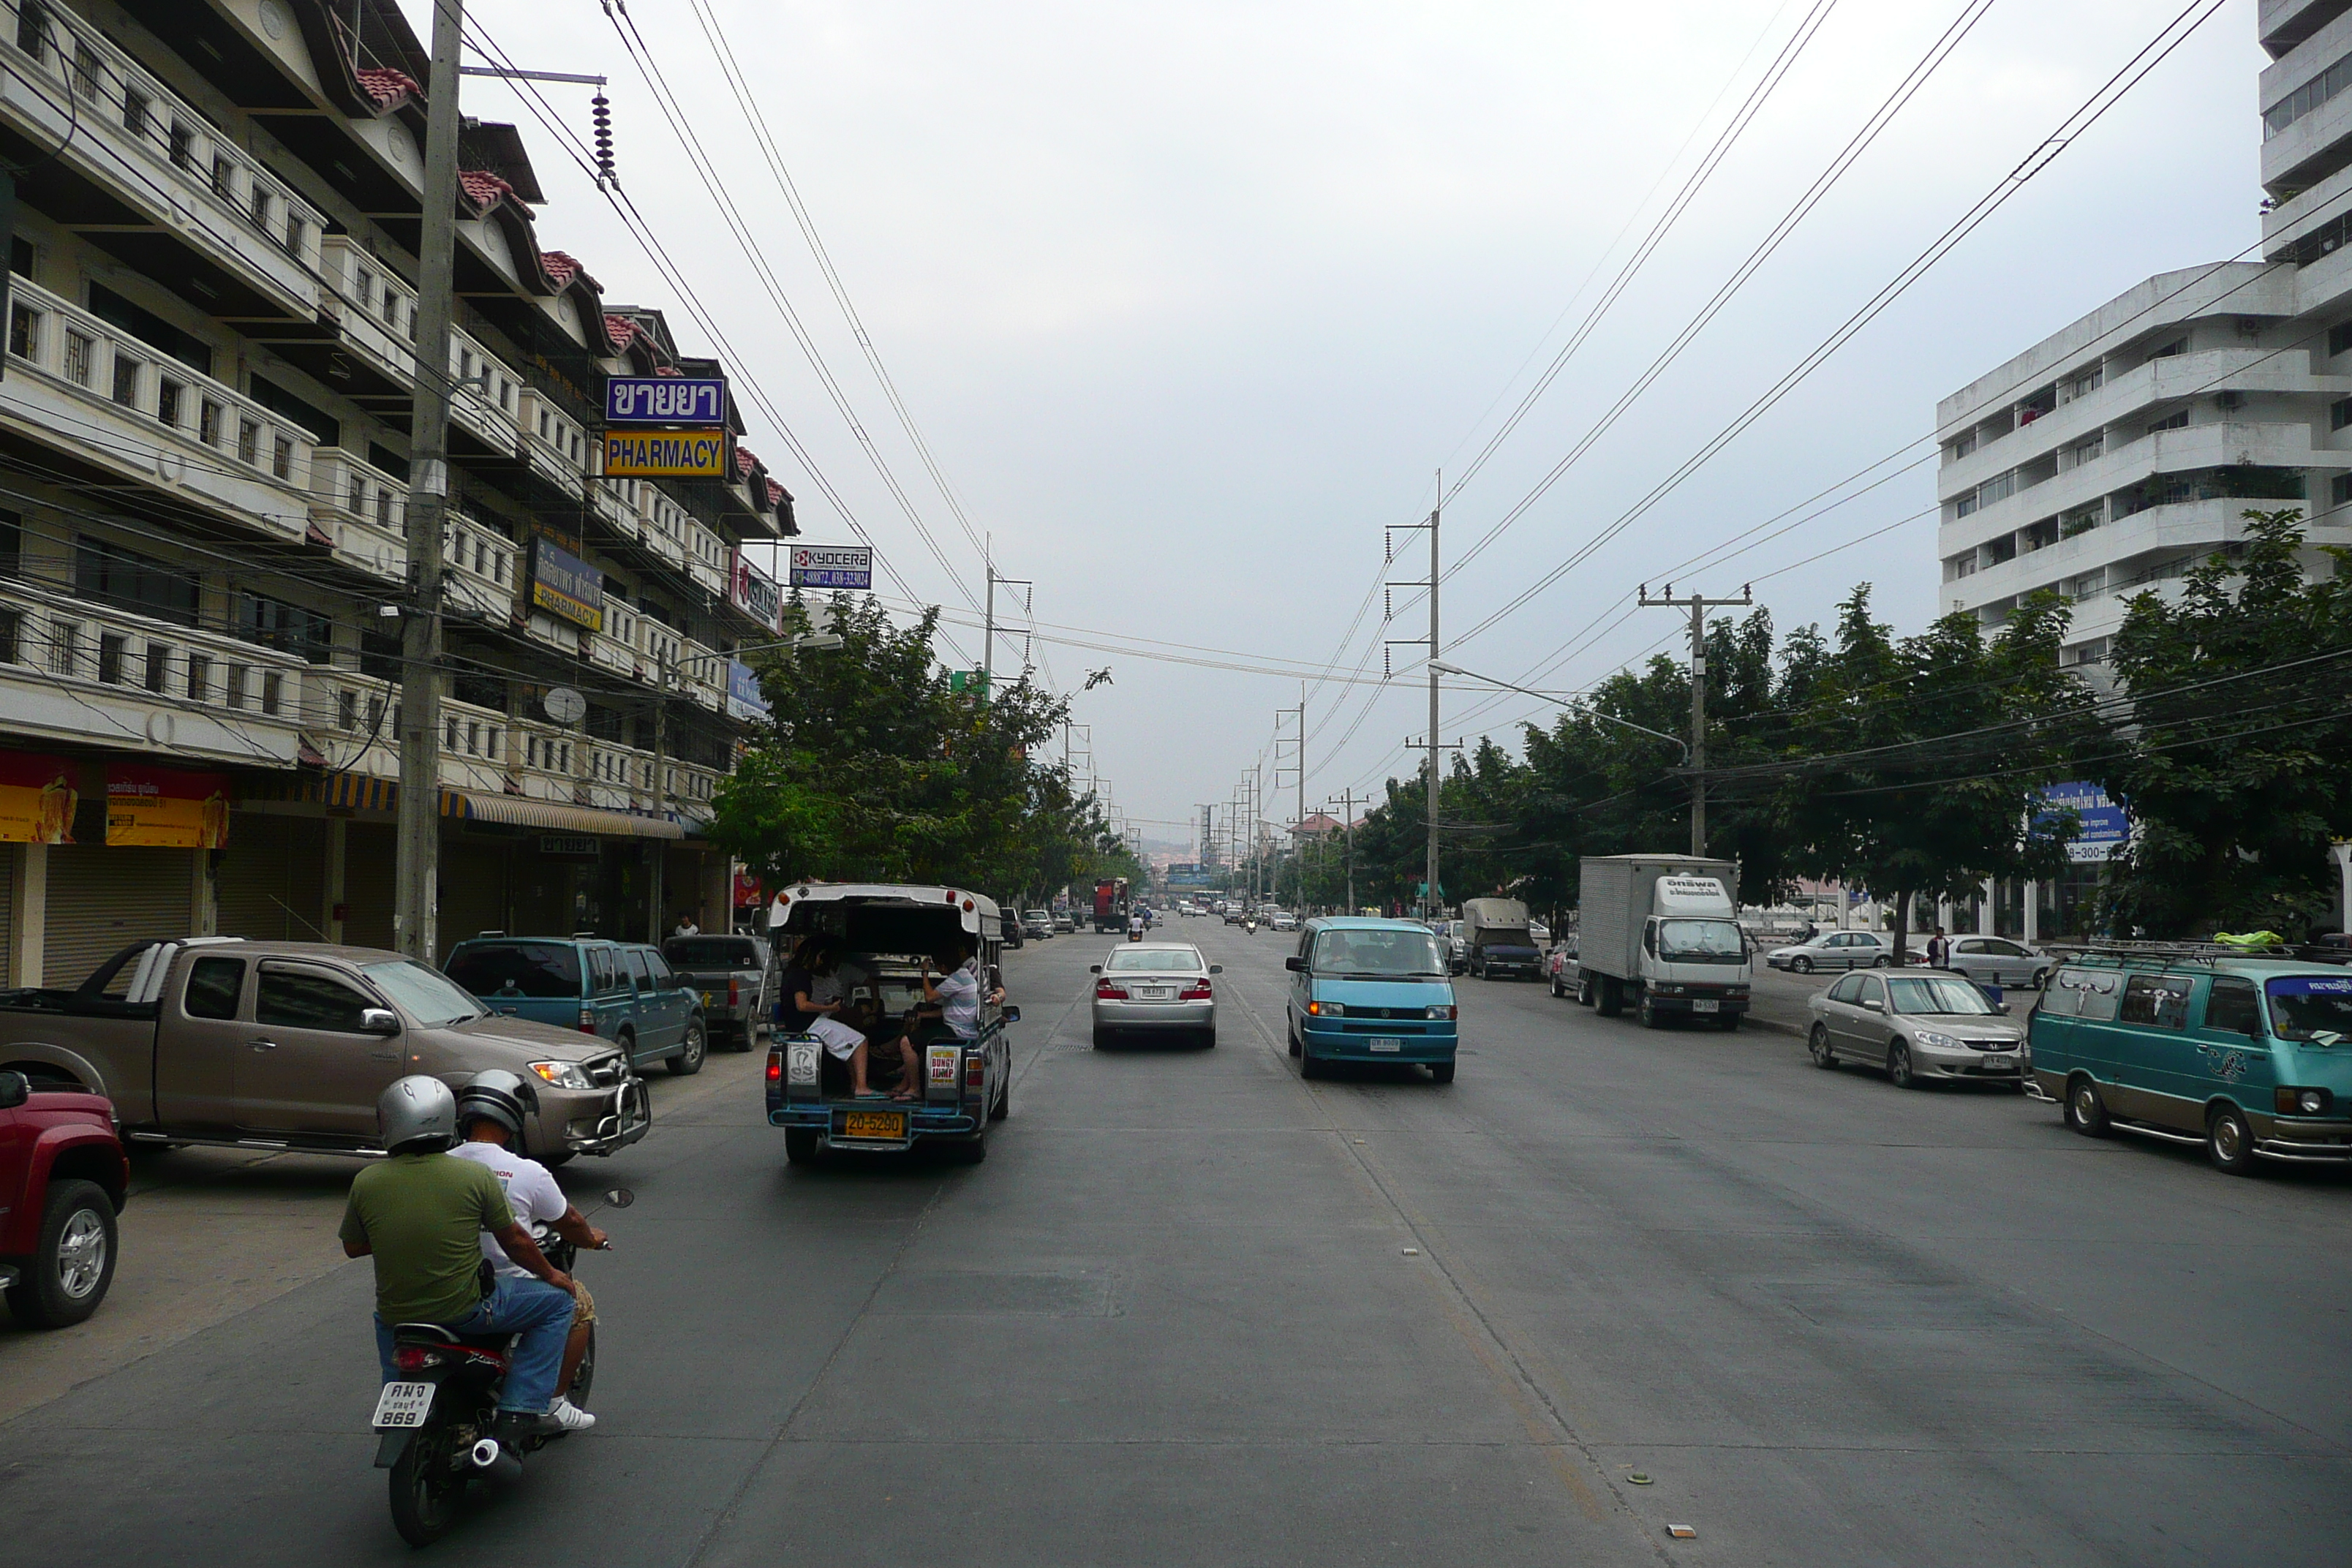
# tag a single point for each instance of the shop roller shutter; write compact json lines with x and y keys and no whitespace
{"x":272,"y":878}
{"x":102,"y":900}
{"x":8,"y":913}
{"x":368,"y":884}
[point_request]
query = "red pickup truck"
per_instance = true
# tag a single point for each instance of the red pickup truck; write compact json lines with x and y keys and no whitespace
{"x":63,"y":1179}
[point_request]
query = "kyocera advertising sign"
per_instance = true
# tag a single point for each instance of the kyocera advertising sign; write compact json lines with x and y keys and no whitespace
{"x":755,"y":593}
{"x":2106,"y":827}
{"x":833,"y":566}
{"x":664,"y":400}
{"x":566,"y":587}
{"x":666,"y":454}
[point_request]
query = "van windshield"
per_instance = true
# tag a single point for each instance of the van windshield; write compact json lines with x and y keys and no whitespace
{"x":528,"y":969}
{"x":1379,"y":955}
{"x":1701,"y":942}
{"x":2315,"y":1009}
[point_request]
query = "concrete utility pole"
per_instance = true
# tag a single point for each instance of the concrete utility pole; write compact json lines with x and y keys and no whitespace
{"x":654,"y":892}
{"x":1430,"y":902}
{"x":1347,"y":826}
{"x":1698,"y":605}
{"x":417,"y":863}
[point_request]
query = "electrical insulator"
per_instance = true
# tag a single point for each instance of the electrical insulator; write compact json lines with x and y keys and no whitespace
{"x":601,"y":112}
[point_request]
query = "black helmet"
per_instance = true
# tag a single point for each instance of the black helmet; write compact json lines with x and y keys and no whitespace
{"x":492,"y":1096}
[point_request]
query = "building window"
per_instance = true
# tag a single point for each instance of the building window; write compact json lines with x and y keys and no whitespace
{"x":290,"y":628}
{"x":159,"y":665}
{"x":262,"y":209}
{"x":383,"y":508}
{"x":2168,"y":351}
{"x":248,"y":441}
{"x":281,"y":458}
{"x":2307,"y":98}
{"x":200,"y":678}
{"x":2092,"y":652}
{"x":108,"y":574}
{"x":208,"y":423}
{"x":110,"y":647}
{"x":2178,"y":419}
{"x":84,"y":71}
{"x":296,"y":230}
{"x":224,"y":177}
{"x":391,"y":309}
{"x":25,"y":331}
{"x":238,"y":674}
{"x":347,"y":708}
{"x":2339,"y":490}
{"x":126,"y":379}
{"x":273,"y":690}
{"x":65,"y":648}
{"x":2339,"y":338}
{"x":167,"y":402}
{"x":2339,"y":414}
{"x":134,"y":110}
{"x":182,"y":143}
{"x":78,"y":355}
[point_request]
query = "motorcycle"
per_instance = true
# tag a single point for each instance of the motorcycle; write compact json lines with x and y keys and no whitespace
{"x":1250,"y":926}
{"x":434,"y":1425}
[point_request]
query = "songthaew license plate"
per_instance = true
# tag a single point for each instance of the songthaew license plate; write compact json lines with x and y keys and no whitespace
{"x":874,"y":1124}
{"x":1386,"y":1044}
{"x":403,"y":1405}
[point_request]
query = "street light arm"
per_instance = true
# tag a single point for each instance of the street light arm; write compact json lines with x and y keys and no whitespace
{"x":1572,"y":707}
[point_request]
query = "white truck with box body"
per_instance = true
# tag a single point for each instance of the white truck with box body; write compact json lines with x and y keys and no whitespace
{"x":1660,"y":933}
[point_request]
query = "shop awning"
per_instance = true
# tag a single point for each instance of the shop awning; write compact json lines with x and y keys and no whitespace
{"x":521,"y":812}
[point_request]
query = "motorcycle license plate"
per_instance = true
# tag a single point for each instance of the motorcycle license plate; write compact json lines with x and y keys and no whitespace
{"x":874,"y":1124}
{"x":1385,"y":1044}
{"x":402,"y":1405}
{"x":1706,"y":1006}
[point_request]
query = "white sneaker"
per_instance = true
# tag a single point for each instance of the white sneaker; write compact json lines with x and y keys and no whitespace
{"x":562,"y":1416}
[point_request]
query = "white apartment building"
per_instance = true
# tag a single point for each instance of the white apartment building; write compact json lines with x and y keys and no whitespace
{"x":2112,"y":456}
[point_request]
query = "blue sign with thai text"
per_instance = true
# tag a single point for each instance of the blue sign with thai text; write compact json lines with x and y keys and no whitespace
{"x":2105,"y":828}
{"x":745,"y":698}
{"x":664,"y":400}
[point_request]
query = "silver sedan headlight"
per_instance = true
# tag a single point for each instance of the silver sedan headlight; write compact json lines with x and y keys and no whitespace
{"x":1935,"y":1041}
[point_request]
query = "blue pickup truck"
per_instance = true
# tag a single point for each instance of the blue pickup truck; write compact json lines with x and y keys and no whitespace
{"x":622,"y":991}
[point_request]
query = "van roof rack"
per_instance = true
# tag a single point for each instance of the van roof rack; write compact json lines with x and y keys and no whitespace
{"x":2123,"y":952}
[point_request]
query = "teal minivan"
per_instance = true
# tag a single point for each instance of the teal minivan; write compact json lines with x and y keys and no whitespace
{"x":1365,"y":990}
{"x":2248,"y":1057}
{"x":623,"y":992}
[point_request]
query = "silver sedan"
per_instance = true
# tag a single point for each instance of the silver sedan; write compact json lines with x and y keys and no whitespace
{"x":1917,"y":1026}
{"x":1155,"y":987}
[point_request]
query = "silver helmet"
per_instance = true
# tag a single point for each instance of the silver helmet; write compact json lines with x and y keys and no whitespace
{"x":418,"y":1110}
{"x":495,"y":1096}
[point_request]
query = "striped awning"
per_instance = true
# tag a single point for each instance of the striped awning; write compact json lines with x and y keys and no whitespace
{"x":521,"y":812}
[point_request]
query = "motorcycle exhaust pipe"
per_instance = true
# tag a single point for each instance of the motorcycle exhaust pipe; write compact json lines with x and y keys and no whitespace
{"x":494,"y":1461}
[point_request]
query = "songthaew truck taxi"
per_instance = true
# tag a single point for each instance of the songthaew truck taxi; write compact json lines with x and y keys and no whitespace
{"x":1661,"y":932}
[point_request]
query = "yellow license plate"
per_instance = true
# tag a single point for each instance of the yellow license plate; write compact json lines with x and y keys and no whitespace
{"x":874,"y":1124}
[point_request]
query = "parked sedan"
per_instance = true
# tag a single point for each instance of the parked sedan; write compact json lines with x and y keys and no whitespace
{"x":1998,"y":961}
{"x":1834,"y":950}
{"x":1155,"y":988}
{"x":1916,"y":1027}
{"x":1561,"y":968}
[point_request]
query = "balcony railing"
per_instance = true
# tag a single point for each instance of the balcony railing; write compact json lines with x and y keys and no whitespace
{"x":547,"y":760}
{"x":93,"y":387}
{"x":619,"y":778}
{"x":364,"y":509}
{"x":707,"y":563}
{"x":70,"y":87}
{"x":553,"y":443}
{"x":479,"y":568}
{"x":376,"y":310}
{"x":702,"y":677}
{"x":77,"y":669}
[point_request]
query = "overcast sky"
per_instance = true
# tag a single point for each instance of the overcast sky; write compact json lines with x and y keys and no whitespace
{"x":1190,"y":302}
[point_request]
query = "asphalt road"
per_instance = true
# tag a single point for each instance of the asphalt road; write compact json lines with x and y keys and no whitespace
{"x":1193,"y":1310}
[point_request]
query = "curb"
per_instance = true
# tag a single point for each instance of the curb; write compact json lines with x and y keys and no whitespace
{"x":1753,"y":1021}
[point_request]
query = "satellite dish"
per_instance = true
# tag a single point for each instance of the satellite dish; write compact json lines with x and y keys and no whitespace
{"x":564,"y":705}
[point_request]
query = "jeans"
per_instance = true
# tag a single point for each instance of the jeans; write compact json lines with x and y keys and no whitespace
{"x":533,"y":1309}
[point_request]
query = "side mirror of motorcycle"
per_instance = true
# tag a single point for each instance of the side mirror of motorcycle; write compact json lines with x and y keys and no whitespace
{"x":620,"y":1197}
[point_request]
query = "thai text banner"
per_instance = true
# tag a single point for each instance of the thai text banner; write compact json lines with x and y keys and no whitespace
{"x":37,"y":796}
{"x":664,"y":400}
{"x":664,"y":454}
{"x":566,"y":587}
{"x":165,"y":808}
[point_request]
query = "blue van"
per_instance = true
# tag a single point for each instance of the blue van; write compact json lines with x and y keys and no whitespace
{"x":2248,"y":1057}
{"x":622,"y":991}
{"x":1371,"y":991}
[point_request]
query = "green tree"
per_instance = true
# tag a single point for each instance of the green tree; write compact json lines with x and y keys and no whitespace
{"x":2240,"y":769}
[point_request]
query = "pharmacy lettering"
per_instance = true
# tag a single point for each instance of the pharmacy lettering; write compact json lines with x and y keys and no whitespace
{"x":566,"y":587}
{"x":664,"y":400}
{"x":666,"y":454}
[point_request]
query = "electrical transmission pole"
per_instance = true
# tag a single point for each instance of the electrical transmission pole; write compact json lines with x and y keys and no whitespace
{"x":417,"y":865}
{"x":1698,"y":605}
{"x":1431,"y":901}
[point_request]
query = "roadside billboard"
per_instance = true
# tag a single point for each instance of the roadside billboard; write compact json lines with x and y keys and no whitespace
{"x":566,"y":587}
{"x":755,"y":593}
{"x":37,"y":796}
{"x":2106,"y":827}
{"x":166,"y":808}
{"x":832,"y":566}
{"x":745,"y":698}
{"x":664,"y":400}
{"x":666,"y":454}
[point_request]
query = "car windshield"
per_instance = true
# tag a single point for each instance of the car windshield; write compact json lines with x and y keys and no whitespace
{"x":2314,"y":1009}
{"x":527,"y":969}
{"x":1159,"y":959}
{"x":713,"y":953}
{"x":1937,"y":994}
{"x":1700,"y":938}
{"x":425,"y":996}
{"x":1382,"y":954}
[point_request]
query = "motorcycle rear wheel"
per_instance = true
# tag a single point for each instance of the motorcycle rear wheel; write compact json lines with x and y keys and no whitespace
{"x":585,"y":1377}
{"x":426,"y":1488}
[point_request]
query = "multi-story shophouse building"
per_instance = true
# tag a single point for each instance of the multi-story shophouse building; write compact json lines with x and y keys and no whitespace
{"x":2110,"y":458}
{"x":204,"y":432}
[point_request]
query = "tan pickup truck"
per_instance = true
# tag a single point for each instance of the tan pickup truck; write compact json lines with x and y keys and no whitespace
{"x":286,"y":1044}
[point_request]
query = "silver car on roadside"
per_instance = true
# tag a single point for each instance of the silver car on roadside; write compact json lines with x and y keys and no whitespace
{"x":1998,"y":961}
{"x":1917,"y":1026}
{"x":1834,"y":950}
{"x":1155,"y":987}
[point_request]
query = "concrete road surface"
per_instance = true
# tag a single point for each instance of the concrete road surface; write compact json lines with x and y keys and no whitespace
{"x":1194,"y":1310}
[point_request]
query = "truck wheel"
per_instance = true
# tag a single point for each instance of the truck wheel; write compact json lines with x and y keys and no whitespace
{"x":1440,"y":1073}
{"x":689,"y":1061}
{"x":1612,"y":996}
{"x":1646,"y":1015}
{"x":1584,"y":997}
{"x":73,"y":1258}
{"x":800,"y":1145}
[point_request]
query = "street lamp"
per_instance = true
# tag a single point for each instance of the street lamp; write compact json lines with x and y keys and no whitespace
{"x":1575,"y":708}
